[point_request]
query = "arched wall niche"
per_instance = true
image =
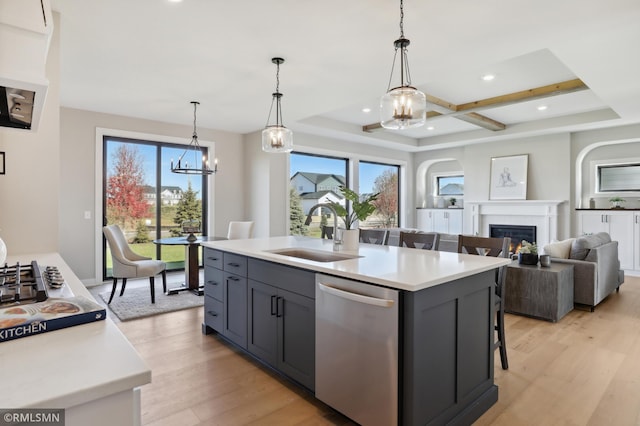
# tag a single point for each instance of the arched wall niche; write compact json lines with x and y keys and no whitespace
{"x":425,"y":171}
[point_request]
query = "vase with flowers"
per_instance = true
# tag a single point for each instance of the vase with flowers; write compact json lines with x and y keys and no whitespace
{"x":528,"y":253}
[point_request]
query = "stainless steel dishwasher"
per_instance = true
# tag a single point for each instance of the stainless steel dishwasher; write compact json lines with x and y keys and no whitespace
{"x":357,"y":349}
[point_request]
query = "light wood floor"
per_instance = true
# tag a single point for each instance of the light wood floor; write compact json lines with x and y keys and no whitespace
{"x":583,"y":370}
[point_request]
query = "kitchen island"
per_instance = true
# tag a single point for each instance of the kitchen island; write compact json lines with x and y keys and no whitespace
{"x":90,"y":370}
{"x":261,"y":295}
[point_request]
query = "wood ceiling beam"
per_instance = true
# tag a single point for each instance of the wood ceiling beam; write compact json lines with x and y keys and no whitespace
{"x":555,"y":89}
{"x":472,"y":117}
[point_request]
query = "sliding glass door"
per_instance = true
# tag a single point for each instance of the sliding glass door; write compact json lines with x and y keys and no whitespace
{"x":147,"y":200}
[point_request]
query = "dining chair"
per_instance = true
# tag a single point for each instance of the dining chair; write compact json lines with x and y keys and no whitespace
{"x":127,"y":264}
{"x":240,"y":230}
{"x":496,"y":247}
{"x":420,"y":240}
{"x":374,"y":236}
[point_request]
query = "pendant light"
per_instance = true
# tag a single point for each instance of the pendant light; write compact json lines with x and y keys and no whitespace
{"x":404,"y":106}
{"x":193,"y":161}
{"x":277,"y":138}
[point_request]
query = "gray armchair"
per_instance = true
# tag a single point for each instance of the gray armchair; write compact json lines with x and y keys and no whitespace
{"x":596,"y":268}
{"x":127,"y":264}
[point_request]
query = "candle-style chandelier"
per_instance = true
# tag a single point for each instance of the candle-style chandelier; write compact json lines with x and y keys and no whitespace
{"x":403,"y":106}
{"x":277,"y":138}
{"x":193,"y":161}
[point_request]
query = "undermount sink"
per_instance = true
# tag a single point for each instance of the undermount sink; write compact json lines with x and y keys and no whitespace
{"x":315,"y":255}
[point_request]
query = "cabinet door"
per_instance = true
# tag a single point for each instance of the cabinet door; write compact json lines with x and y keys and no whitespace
{"x":297,"y":337}
{"x":440,"y":221}
{"x":455,"y":221}
{"x":593,"y":222}
{"x":263,"y":326}
{"x":424,"y":220}
{"x":235,"y":309}
{"x":621,"y":230}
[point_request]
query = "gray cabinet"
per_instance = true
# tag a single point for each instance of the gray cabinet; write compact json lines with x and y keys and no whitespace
{"x":281,"y":319}
{"x":225,"y":293}
{"x":213,"y":290}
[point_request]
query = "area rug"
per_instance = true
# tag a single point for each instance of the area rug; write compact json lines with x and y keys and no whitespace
{"x":136,"y":302}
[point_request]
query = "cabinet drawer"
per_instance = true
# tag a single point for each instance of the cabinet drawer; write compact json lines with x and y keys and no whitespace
{"x":212,"y":258}
{"x":235,"y":264}
{"x":213,"y":313}
{"x":213,"y":281}
{"x":296,"y":280}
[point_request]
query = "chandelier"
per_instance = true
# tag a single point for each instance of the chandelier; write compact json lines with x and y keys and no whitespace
{"x":193,"y":161}
{"x":277,"y":138}
{"x":403,"y":106}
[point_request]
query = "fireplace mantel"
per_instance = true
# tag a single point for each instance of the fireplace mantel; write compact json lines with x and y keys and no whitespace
{"x":543,"y":214}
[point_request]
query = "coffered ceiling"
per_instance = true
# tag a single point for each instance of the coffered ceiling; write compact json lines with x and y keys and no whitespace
{"x":557,"y":66}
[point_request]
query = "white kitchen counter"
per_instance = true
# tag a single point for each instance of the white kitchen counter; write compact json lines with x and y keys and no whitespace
{"x":395,"y":267}
{"x":91,"y":369}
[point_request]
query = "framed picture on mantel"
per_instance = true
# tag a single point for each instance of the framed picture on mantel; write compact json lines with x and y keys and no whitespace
{"x":509,"y":178}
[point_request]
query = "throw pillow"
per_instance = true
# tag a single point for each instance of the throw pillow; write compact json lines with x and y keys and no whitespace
{"x":582,"y":245}
{"x":559,"y":249}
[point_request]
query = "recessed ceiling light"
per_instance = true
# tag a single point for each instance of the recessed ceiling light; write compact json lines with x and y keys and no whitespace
{"x":175,"y":1}
{"x":488,"y":77}
{"x":366,"y":109}
{"x":430,"y":128}
{"x":542,"y":107}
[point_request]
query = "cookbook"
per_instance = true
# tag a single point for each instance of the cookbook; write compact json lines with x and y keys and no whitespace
{"x":18,"y":321}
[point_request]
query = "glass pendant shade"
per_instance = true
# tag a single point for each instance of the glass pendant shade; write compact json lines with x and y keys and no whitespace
{"x":277,"y":139}
{"x":403,"y":108}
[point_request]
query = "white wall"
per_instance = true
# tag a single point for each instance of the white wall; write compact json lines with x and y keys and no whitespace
{"x":549,"y":169}
{"x":78,"y":239}
{"x":30,"y":189}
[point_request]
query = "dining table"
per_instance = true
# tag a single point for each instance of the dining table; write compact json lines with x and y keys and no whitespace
{"x":191,"y":261}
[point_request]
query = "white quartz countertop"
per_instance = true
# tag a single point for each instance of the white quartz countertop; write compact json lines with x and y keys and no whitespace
{"x":75,"y":365}
{"x":395,"y":267}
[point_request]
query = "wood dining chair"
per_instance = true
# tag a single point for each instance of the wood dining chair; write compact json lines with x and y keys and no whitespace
{"x":495,"y":247}
{"x":374,"y":236}
{"x":420,"y":240}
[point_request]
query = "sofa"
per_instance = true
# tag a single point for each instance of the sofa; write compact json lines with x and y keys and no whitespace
{"x":596,"y":267}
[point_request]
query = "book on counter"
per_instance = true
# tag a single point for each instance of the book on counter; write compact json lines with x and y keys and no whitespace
{"x":18,"y":321}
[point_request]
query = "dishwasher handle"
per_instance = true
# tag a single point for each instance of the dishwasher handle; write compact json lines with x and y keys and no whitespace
{"x":386,"y":303}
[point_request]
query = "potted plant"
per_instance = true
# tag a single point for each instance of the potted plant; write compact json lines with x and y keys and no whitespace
{"x":361,"y":209}
{"x":452,"y":201}
{"x":616,"y":202}
{"x":528,"y":253}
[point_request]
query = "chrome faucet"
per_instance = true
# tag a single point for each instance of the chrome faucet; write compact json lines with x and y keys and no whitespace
{"x":337,"y":242}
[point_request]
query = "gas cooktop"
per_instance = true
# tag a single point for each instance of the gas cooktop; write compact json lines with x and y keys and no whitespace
{"x":21,"y":284}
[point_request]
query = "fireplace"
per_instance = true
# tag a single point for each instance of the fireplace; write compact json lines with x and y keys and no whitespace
{"x":517,"y":233}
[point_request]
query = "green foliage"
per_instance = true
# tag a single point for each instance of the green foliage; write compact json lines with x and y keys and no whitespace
{"x":617,"y":200}
{"x":189,"y":207}
{"x":296,"y":214}
{"x":527,"y":247}
{"x":142,"y":233}
{"x":360,"y":209}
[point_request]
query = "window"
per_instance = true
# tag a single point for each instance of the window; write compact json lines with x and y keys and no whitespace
{"x":146,"y":200}
{"x":385,"y":179}
{"x":314,"y":179}
{"x":619,"y":177}
{"x":450,"y":185}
